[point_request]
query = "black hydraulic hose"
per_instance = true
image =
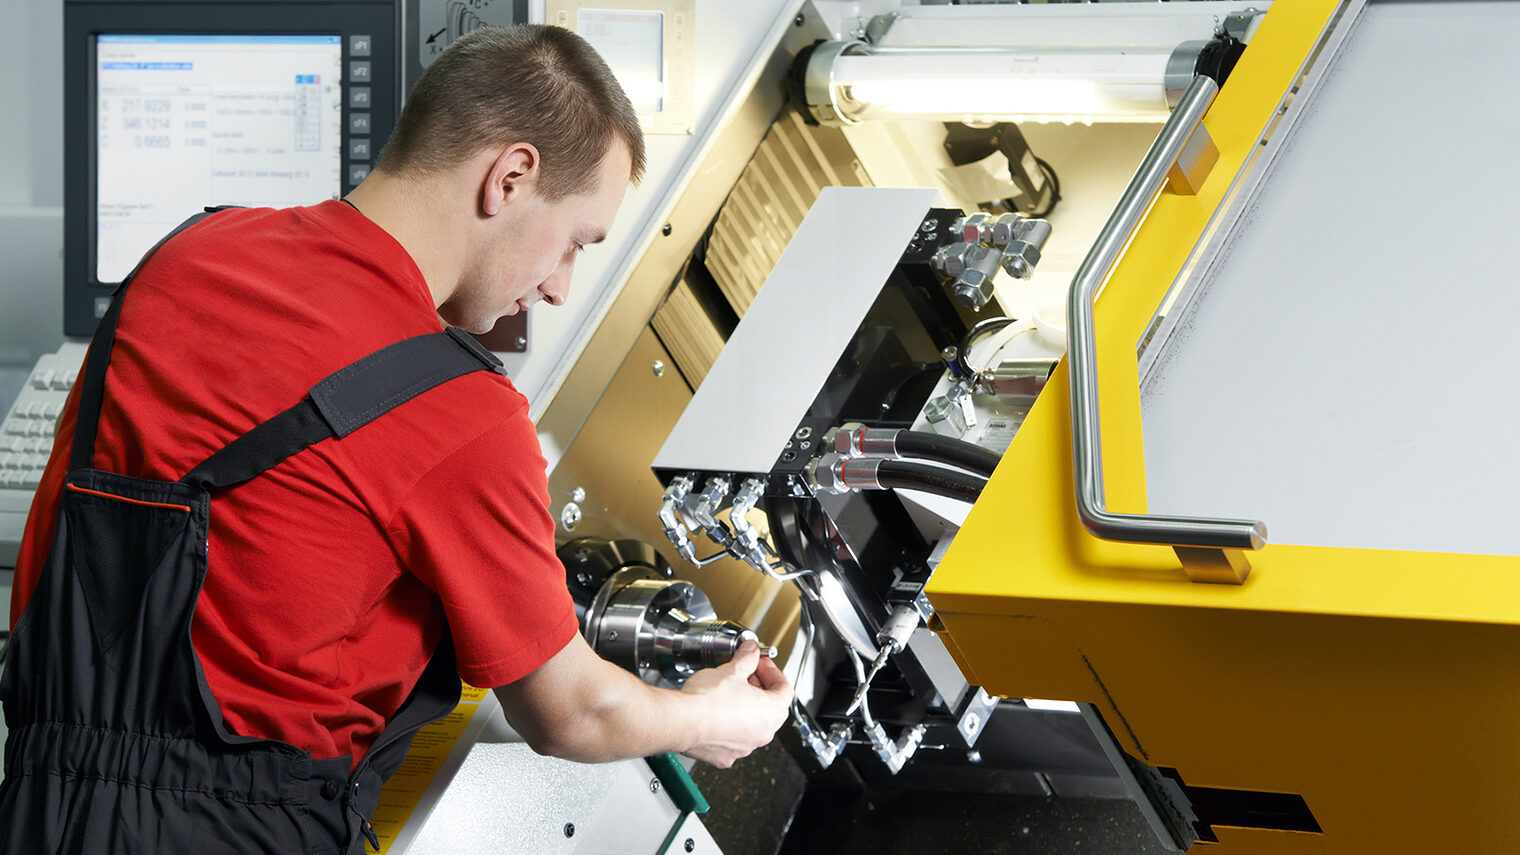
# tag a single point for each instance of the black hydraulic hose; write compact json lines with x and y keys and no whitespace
{"x":900,"y":474}
{"x":947,"y":449}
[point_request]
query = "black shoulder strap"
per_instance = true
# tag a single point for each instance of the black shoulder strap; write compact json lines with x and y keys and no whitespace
{"x":344,"y":401}
{"x":93,"y":381}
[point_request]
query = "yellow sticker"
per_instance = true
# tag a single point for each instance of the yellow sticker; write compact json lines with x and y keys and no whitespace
{"x":430,"y":747}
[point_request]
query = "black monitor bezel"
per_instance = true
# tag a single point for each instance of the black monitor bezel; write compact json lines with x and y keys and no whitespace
{"x":83,"y":21}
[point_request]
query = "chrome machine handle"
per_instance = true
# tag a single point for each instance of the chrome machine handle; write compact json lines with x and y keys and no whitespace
{"x":1210,"y":549}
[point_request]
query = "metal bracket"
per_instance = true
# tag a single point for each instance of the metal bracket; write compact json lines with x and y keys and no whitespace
{"x":973,"y":718}
{"x":1194,"y":163}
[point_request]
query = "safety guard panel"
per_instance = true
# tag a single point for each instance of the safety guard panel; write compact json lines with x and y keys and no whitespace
{"x":1377,"y":684}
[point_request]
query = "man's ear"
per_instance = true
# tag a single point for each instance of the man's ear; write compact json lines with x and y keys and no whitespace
{"x":514,"y":171}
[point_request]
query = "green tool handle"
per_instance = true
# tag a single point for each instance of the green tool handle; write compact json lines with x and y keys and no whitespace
{"x":677,"y":782}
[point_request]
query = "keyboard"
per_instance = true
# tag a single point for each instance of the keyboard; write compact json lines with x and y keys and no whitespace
{"x":26,"y":439}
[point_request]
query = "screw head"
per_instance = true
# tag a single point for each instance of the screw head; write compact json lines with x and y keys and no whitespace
{"x":690,"y":845}
{"x":569,"y":829}
{"x":578,"y":494}
{"x":797,"y":21}
{"x":666,"y":230}
{"x":570,"y":516}
{"x":973,"y":756}
{"x":612,"y":635}
{"x":654,"y":785}
{"x":521,"y":342}
{"x":658,"y":368}
{"x":804,"y":432}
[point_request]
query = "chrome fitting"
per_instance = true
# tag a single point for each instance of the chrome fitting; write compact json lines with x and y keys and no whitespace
{"x":857,"y":440}
{"x":899,"y":627}
{"x":825,"y":748}
{"x":1017,"y":380}
{"x":746,"y":538}
{"x":945,"y":416}
{"x":950,"y":259}
{"x":895,"y":755}
{"x":822,"y":475}
{"x":973,"y":288}
{"x":859,"y":473}
{"x":670,"y":517}
{"x":709,"y":502}
{"x":976,"y":228}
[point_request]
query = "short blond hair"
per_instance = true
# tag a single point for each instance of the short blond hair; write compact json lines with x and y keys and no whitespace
{"x":528,"y":83}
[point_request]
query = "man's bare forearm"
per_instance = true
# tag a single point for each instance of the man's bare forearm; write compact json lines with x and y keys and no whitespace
{"x":581,"y":707}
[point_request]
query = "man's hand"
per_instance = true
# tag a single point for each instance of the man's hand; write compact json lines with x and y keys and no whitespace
{"x":747,"y":699}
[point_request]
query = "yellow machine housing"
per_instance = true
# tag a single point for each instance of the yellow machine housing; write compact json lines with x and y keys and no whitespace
{"x":1378,"y":685}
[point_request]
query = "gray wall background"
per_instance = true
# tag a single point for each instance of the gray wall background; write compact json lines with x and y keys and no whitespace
{"x":31,"y":180}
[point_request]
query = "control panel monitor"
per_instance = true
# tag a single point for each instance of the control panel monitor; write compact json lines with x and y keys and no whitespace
{"x":171,"y":107}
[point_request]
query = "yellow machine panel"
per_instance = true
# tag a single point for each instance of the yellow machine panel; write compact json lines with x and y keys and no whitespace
{"x":1378,"y":685}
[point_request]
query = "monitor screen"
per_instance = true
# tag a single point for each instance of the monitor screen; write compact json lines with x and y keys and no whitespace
{"x":186,"y":121}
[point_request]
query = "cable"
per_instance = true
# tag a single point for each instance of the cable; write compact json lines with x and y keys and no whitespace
{"x":860,"y":678}
{"x":1055,"y":187}
{"x":947,"y":449}
{"x":982,"y":327}
{"x":798,"y":710}
{"x":900,"y":474}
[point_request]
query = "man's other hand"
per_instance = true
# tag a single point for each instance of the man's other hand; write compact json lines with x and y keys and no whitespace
{"x":747,"y":699}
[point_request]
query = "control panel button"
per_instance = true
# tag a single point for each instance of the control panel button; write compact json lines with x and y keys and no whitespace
{"x":358,"y":71}
{"x":359,"y":45}
{"x":357,"y":172}
{"x":358,"y":148}
{"x":358,"y":123}
{"x":358,"y":97}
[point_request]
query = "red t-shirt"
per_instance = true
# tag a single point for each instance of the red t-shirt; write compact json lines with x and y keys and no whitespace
{"x":333,"y":574}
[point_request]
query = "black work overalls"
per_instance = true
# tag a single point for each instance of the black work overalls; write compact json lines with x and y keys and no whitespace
{"x":115,"y":743}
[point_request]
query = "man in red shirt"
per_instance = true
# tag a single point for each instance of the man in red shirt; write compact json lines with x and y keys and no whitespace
{"x":335,"y":575}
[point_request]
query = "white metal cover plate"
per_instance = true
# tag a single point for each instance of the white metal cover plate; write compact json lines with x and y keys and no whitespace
{"x":779,"y":356}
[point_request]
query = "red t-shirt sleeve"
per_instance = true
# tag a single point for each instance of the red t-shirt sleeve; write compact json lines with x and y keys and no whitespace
{"x":476,"y":529}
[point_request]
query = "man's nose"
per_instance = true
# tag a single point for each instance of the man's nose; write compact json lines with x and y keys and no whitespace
{"x":557,"y":286}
